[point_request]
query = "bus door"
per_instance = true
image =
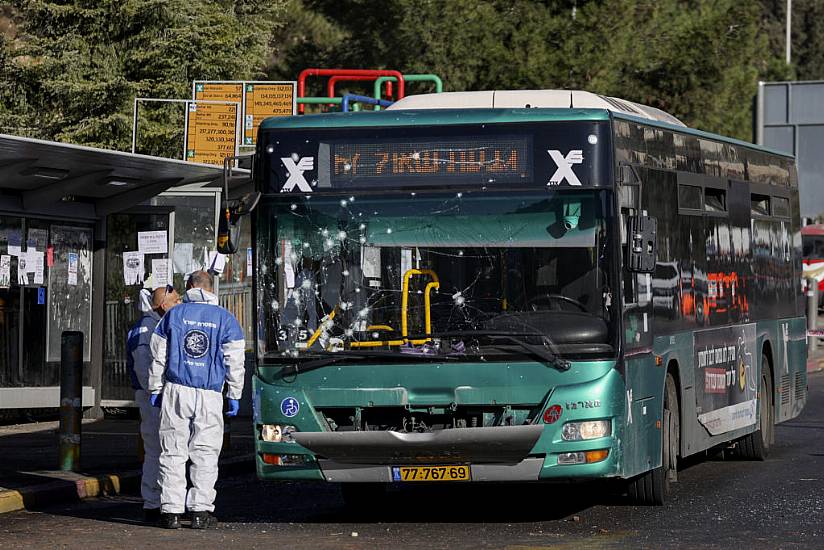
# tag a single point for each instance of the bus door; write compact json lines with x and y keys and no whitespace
{"x":643,"y":401}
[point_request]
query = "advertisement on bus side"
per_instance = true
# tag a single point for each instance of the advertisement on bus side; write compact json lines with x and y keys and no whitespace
{"x":726,"y":384}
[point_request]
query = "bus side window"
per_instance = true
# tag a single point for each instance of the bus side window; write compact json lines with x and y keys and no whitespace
{"x":819,"y":248}
{"x":808,"y":247}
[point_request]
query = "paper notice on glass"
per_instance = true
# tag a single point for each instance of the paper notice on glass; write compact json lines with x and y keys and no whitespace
{"x":133,"y":268}
{"x":38,"y":258}
{"x":38,"y":238}
{"x":31,"y":260}
{"x":371,"y":262}
{"x":248,"y":262}
{"x":406,"y":261}
{"x":72,"y":279}
{"x":22,"y":275}
{"x":15,"y":243}
{"x":5,"y":271}
{"x":184,"y":258}
{"x":160,"y":273}
{"x":288,"y":268}
{"x":217,"y":262}
{"x":152,"y":242}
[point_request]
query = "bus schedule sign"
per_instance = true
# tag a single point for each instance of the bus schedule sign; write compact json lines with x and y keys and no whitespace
{"x":211,"y":132}
{"x":263,"y":100}
{"x":258,"y":100}
{"x":218,"y":91}
{"x":483,"y":160}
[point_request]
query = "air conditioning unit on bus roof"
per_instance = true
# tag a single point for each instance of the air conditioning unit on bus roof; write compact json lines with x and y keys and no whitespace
{"x":518,"y":99}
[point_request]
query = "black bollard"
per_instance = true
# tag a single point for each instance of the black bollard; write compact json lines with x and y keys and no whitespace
{"x":71,"y":398}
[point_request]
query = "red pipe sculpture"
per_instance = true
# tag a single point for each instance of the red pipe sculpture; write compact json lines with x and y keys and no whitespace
{"x":306,"y":73}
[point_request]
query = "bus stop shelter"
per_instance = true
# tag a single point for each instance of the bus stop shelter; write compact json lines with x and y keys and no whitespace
{"x":61,"y":241}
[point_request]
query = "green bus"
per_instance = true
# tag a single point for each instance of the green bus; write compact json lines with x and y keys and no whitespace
{"x":519,"y":286}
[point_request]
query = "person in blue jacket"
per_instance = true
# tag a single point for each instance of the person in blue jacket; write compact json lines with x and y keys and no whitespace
{"x":198,"y":349}
{"x":152,"y":306}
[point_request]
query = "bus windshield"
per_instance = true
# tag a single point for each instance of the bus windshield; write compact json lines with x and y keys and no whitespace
{"x":392,"y":272}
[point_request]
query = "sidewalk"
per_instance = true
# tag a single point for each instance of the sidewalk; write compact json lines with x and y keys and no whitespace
{"x":109,"y":462}
{"x":815,"y":361}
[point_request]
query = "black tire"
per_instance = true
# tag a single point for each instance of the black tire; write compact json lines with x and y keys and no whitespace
{"x":756,"y":446}
{"x":362,"y":495}
{"x":653,"y":487}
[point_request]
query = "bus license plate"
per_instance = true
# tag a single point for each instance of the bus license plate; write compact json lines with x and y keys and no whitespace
{"x":430,"y":473}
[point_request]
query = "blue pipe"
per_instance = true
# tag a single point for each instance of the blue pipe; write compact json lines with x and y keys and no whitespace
{"x":362,"y":99}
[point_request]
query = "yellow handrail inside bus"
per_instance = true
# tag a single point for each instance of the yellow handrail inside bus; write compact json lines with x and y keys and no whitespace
{"x":377,"y":343}
{"x":320,"y":327}
{"x":379,"y":327}
{"x":405,"y":302}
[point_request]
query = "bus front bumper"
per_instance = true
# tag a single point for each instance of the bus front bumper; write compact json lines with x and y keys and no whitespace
{"x":493,"y":454}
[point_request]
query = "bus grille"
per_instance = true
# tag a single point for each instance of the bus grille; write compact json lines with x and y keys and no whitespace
{"x":785,"y":389}
{"x":800,"y":388}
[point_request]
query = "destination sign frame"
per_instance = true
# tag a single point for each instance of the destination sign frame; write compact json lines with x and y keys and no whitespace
{"x":562,"y":154}
{"x":245,"y":92}
{"x":192,"y":152}
{"x":471,"y":160}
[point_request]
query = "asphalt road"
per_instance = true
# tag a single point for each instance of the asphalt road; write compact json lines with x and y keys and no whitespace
{"x":718,"y":503}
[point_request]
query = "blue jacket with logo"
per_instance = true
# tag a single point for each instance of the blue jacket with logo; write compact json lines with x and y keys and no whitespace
{"x":138,"y":352}
{"x":200,"y":345}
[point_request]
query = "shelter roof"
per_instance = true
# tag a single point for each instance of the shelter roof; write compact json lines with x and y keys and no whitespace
{"x":48,"y":178}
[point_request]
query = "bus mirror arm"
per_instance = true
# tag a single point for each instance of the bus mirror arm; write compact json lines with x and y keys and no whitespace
{"x":641,"y":248}
{"x":233,"y":209}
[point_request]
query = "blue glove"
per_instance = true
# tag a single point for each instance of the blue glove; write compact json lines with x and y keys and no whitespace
{"x":156,"y":399}
{"x":234,"y":407}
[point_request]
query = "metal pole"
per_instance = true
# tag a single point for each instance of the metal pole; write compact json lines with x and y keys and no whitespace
{"x":71,"y":398}
{"x":759,"y":114}
{"x":812,"y":316}
{"x":134,"y":126}
{"x":789,"y":27}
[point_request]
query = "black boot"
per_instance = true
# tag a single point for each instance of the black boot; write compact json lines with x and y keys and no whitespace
{"x":170,"y":521}
{"x":151,"y":515}
{"x":203,"y":520}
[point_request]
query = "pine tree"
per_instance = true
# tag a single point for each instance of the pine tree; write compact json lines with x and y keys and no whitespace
{"x":78,"y":64}
{"x":698,"y":59}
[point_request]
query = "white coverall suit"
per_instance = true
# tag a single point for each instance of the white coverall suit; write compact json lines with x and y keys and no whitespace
{"x":197,"y":347}
{"x":139,"y":361}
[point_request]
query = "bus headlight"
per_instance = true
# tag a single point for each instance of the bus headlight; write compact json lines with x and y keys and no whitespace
{"x":590,"y":429}
{"x":274,"y":433}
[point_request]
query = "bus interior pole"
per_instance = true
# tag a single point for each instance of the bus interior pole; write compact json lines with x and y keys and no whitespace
{"x":71,"y":399}
{"x":812,"y":316}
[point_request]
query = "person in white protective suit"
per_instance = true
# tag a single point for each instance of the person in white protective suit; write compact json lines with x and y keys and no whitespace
{"x":152,"y":306}
{"x":198,"y":348}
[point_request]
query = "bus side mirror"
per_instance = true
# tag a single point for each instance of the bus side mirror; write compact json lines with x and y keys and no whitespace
{"x":229,"y":222}
{"x":641,"y":253}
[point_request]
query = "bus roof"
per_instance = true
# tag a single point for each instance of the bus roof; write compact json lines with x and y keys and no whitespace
{"x":432,"y":117}
{"x":447,"y":117}
{"x":813,"y":229}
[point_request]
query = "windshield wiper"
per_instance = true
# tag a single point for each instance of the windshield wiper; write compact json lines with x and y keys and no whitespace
{"x":317,"y":362}
{"x":514,"y":337}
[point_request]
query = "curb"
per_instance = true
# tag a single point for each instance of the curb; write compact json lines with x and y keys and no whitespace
{"x":45,"y":494}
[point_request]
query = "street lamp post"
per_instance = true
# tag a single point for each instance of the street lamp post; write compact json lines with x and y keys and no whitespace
{"x":789,"y":26}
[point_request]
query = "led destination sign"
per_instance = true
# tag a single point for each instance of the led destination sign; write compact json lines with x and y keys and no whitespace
{"x":499,"y":159}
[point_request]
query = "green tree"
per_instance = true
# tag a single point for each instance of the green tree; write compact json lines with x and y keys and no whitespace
{"x":698,"y":59}
{"x":807,"y":53}
{"x":77,"y":65}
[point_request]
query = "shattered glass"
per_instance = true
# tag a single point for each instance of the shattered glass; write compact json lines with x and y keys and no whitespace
{"x":431,"y":273}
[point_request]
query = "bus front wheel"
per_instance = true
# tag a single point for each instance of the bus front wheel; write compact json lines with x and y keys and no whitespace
{"x":652,"y":488}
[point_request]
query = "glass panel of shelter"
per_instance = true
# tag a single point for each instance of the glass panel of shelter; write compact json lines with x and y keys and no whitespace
{"x":32,"y":298}
{"x":121,"y":298}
